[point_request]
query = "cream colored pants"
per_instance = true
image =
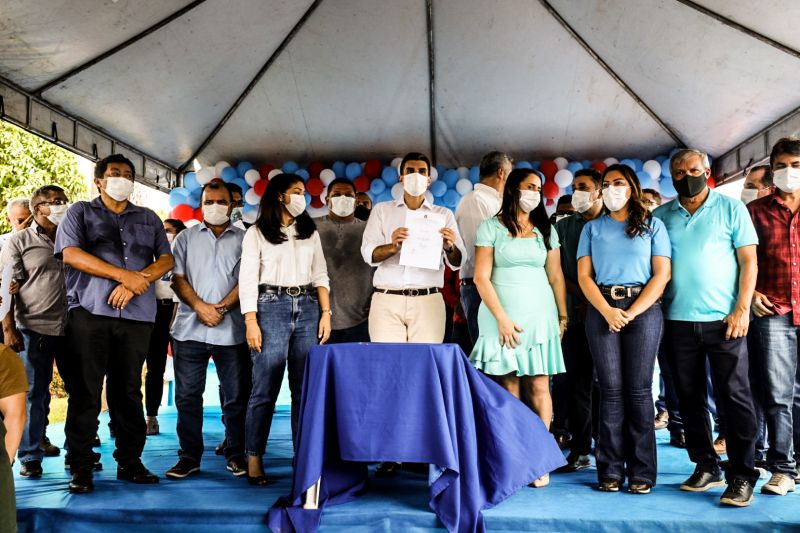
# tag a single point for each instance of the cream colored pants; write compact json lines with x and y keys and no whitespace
{"x":396,"y":318}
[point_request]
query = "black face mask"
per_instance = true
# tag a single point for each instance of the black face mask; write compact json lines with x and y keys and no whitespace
{"x":362,"y":212}
{"x":690,"y":186}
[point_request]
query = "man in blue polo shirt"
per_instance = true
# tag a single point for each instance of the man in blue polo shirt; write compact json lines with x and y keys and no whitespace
{"x":708,"y":312}
{"x":114,"y":251}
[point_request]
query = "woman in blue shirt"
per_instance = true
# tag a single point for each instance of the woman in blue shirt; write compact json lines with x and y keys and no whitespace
{"x":623,"y":267}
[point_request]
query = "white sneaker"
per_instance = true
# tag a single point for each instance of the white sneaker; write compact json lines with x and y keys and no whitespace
{"x":778,"y":484}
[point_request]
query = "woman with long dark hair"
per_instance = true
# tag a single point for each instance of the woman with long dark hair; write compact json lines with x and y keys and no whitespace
{"x":283,"y":291}
{"x":524,"y":309}
{"x":623,"y":267}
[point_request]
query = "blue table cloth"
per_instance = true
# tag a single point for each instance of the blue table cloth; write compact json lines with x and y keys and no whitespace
{"x":417,"y":403}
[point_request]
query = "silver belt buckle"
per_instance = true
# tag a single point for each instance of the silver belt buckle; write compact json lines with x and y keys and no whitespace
{"x":413,"y":292}
{"x":294,"y":291}
{"x":616,"y":288}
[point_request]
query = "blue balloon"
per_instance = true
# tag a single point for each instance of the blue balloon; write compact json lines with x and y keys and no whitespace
{"x":190,"y":181}
{"x":339,"y":168}
{"x":249,"y":207}
{"x":451,"y":199}
{"x":674,"y":151}
{"x":522,"y":164}
{"x":243,"y":167}
{"x":637,"y":165}
{"x":178,"y":195}
{"x":308,"y":199}
{"x":438,"y":188}
{"x":440,"y":170}
{"x":586,"y":163}
{"x":303,"y":173}
{"x":290,"y":167}
{"x":628,"y":162}
{"x":385,"y":196}
{"x":450,"y":177}
{"x":475,"y":174}
{"x":661,"y":158}
{"x":377,"y":186}
{"x":242,"y":184}
{"x":194,"y":198}
{"x":353,"y":170}
{"x":574,"y":166}
{"x":389,"y":175}
{"x":229,"y":174}
{"x":665,"y":169}
{"x":568,"y":190}
{"x":667,"y":188}
{"x":644,"y":179}
{"x":536,"y":164}
{"x":439,"y":201}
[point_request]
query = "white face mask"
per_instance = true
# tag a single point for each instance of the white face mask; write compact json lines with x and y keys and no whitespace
{"x":236,"y":214}
{"x":343,"y":206}
{"x":296,"y":205}
{"x":529,"y":200}
{"x":57,"y":213}
{"x":119,"y":189}
{"x":614,"y":198}
{"x":748,"y":195}
{"x":582,"y":201}
{"x":215,"y":214}
{"x":787,"y":179}
{"x":415,"y":184}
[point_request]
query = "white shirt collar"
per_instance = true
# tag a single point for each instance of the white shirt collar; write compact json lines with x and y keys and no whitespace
{"x":488,"y":190}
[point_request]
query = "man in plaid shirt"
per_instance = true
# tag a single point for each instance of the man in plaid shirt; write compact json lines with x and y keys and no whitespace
{"x":776,"y":305}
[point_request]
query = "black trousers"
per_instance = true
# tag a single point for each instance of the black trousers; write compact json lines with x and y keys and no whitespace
{"x":688,"y":344}
{"x":157,"y":357}
{"x":98,"y":347}
{"x":580,"y":373}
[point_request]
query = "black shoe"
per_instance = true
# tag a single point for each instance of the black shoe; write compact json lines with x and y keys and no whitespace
{"x":48,"y":448}
{"x":136,"y":473}
{"x":563,"y":440}
{"x":96,"y":442}
{"x":81,"y":482}
{"x":387,"y":469}
{"x":183,"y":468}
{"x":701,"y":481}
{"x":258,"y":481}
{"x":639,"y":487}
{"x":609,"y":485}
{"x":220,"y":449}
{"x":678,"y":440}
{"x":31,"y":469}
{"x":575,"y":462}
{"x":237,"y":467}
{"x":739,"y":494}
{"x":96,"y":464}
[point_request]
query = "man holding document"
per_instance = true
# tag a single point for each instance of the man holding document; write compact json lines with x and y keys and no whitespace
{"x":409,"y":240}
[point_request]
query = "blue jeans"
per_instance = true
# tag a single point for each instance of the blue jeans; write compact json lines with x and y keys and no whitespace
{"x":470,"y":302}
{"x":778,"y":340}
{"x":233,"y":368}
{"x":668,"y":397}
{"x":38,"y":357}
{"x":289,"y":326}
{"x":625,"y":362}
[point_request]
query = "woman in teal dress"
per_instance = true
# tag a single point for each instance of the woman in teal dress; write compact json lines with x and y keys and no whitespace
{"x":524,"y":309}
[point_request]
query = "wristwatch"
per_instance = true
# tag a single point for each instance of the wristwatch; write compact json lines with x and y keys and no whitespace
{"x":222,"y":310}
{"x":326,"y":311}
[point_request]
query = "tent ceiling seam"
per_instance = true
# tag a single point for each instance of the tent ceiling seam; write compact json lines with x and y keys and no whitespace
{"x":118,"y":48}
{"x":605,"y":66}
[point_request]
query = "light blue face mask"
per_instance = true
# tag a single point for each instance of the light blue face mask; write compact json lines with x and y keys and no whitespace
{"x":236,"y":214}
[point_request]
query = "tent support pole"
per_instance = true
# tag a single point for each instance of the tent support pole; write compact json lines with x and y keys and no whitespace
{"x":431,"y":79}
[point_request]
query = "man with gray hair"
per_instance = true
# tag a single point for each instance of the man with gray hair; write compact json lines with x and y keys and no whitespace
{"x":18,"y":214}
{"x":707,"y":316}
{"x":476,"y":206}
{"x":757,"y":183}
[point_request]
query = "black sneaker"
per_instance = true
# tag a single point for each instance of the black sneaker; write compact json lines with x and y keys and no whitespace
{"x":81,"y":482}
{"x":183,"y":468}
{"x":739,"y":494}
{"x":701,"y":481}
{"x":678,"y":440}
{"x":575,"y":462}
{"x":237,"y":467}
{"x":31,"y":469}
{"x":136,"y":473}
{"x":220,"y":449}
{"x":48,"y":448}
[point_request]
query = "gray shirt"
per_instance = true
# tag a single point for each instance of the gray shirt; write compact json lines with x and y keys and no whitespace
{"x":350,"y":277}
{"x":41,"y":303}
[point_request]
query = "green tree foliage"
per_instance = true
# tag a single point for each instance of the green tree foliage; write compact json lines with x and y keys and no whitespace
{"x":28,"y":162}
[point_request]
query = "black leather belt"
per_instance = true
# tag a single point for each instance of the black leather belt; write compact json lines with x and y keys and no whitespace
{"x":467,"y":281}
{"x":165,"y":301}
{"x":620,"y":292}
{"x":298,"y":290}
{"x":409,"y":292}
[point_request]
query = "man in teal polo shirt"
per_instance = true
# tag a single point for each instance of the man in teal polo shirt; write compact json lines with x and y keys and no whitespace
{"x":708,"y":312}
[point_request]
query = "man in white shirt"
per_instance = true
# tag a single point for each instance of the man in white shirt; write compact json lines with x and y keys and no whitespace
{"x":407,"y":305}
{"x":482,"y":203}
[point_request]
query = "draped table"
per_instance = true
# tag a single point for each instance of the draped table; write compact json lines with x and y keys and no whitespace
{"x":421,"y":403}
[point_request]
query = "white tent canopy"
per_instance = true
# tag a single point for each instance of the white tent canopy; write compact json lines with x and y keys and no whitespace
{"x":270,"y":80}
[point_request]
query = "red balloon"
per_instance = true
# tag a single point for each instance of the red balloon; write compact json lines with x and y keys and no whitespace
{"x":372,"y":168}
{"x":548,"y":168}
{"x":599,"y":166}
{"x":260,"y":186}
{"x":711,"y":182}
{"x":550,"y":190}
{"x":315,"y":168}
{"x":361,"y":183}
{"x":316,"y":202}
{"x":265,"y":169}
{"x":549,"y":201}
{"x":183,"y":212}
{"x":198,"y":214}
{"x":217,"y":180}
{"x":314,"y":186}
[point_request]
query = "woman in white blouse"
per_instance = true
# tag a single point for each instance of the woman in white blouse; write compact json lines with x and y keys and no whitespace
{"x":283,"y":290}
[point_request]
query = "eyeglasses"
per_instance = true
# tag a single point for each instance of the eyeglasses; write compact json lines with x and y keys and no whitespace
{"x":54,"y":202}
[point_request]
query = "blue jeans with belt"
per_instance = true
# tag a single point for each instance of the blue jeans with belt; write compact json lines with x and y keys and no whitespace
{"x":625,"y":362}
{"x":38,"y":357}
{"x":289,"y":326}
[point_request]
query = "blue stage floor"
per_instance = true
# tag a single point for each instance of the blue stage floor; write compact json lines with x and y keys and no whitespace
{"x":216,"y":501}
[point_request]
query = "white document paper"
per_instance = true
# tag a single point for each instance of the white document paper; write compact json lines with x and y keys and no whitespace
{"x":423,"y":247}
{"x":5,"y":293}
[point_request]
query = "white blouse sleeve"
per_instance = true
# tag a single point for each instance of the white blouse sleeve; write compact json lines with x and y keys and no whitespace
{"x":319,"y":268}
{"x":249,"y":271}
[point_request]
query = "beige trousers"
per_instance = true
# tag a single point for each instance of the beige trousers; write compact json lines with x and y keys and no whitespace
{"x":397,"y":318}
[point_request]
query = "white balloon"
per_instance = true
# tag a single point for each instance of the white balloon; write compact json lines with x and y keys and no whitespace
{"x":608,"y":161}
{"x":653,"y":168}
{"x":434,"y":174}
{"x":429,"y":196}
{"x":397,"y":191}
{"x":274,"y":172}
{"x":252,"y":176}
{"x":250,"y":216}
{"x":251,"y":197}
{"x":463,"y":186}
{"x":463,"y":172}
{"x":205,"y":174}
{"x":563,"y":178}
{"x":327,"y":176}
{"x":219,"y":166}
{"x":191,"y":222}
{"x":396,"y":163}
{"x":561,"y":162}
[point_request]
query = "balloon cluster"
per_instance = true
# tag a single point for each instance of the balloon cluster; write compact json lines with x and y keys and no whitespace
{"x":381,"y":182}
